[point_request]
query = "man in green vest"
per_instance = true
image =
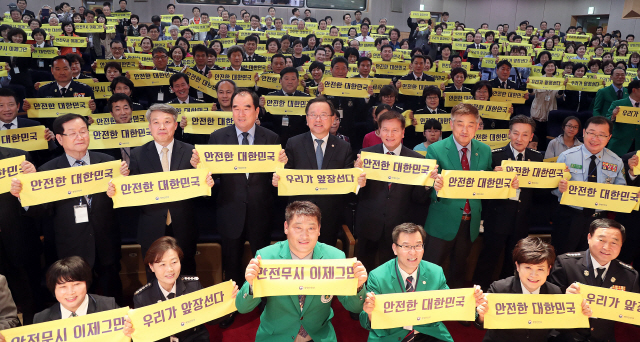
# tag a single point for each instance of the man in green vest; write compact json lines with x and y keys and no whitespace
{"x":607,"y":95}
{"x":624,"y":134}
{"x":299,"y":318}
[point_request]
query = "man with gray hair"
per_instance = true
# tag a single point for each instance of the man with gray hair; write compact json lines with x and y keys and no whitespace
{"x":174,"y":33}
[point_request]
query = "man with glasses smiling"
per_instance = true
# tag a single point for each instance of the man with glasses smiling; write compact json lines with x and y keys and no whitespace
{"x":591,"y":162}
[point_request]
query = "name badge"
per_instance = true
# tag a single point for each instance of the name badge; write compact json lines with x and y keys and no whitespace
{"x":576,"y":166}
{"x":160,"y":96}
{"x":81,"y":213}
{"x":40,"y":63}
{"x":16,"y":70}
{"x":285,"y":121}
{"x":340,"y":111}
{"x":200,"y":95}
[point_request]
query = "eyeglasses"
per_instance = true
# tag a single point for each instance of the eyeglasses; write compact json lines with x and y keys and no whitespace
{"x":417,"y":248}
{"x":571,"y":127}
{"x":157,"y":58}
{"x":76,"y":134}
{"x":321,"y":116}
{"x":600,"y":137}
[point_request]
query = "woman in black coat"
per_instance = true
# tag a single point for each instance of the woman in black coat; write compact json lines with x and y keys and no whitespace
{"x":19,"y":66}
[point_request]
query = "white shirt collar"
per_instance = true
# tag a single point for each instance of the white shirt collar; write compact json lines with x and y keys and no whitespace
{"x":40,"y":45}
{"x":81,"y":311}
{"x":85,"y":159}
{"x":325,"y":139}
{"x":597,"y":265}
{"x":633,"y":102}
{"x":525,"y":291}
{"x":396,"y":151}
{"x":160,"y":147}
{"x":405,"y":275}
{"x":165,"y":293}
{"x":515,"y":152}
{"x":416,"y":76}
{"x":185,"y":101}
{"x":66,"y":86}
{"x":13,"y":122}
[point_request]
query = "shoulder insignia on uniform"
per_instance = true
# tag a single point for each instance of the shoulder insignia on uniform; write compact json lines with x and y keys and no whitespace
{"x":496,"y":150}
{"x":190,"y":278}
{"x":534,"y":151}
{"x":574,"y":254}
{"x":142,"y":288}
{"x":625,"y":265}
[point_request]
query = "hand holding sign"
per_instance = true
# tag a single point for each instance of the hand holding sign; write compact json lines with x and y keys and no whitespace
{"x":360,"y":272}
{"x":253,"y":269}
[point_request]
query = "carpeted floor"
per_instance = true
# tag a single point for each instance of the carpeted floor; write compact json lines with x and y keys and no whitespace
{"x":245,"y":326}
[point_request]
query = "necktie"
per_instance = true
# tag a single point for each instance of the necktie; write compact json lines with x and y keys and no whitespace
{"x":519,"y":158}
{"x":126,"y":153}
{"x":393,"y":154}
{"x":503,"y":85}
{"x":319,"y":154}
{"x":88,"y":197}
{"x":301,"y":299}
{"x":599,"y":278}
{"x":619,"y":94}
{"x":63,"y":91}
{"x":171,"y":295}
{"x":73,"y":314}
{"x":8,"y":126}
{"x":245,"y":138}
{"x":465,"y":166}
{"x":592,"y":176}
{"x":165,"y":168}
{"x":409,"y":288}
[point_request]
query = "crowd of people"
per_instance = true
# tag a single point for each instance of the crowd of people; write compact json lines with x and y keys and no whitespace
{"x":82,"y":236}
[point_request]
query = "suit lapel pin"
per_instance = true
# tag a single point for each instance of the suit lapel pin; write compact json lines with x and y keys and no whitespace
{"x":333,"y":145}
{"x":424,"y":282}
{"x":613,"y":279}
{"x":586,"y":273}
{"x":476,"y":154}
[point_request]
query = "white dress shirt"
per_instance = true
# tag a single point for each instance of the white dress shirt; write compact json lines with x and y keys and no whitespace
{"x":82,"y":309}
{"x":160,"y":147}
{"x":324,"y":144}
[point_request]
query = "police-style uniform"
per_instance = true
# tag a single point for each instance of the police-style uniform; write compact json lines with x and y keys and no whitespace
{"x":570,"y":223}
{"x":74,"y":89}
{"x":151,"y":294}
{"x":578,"y":267}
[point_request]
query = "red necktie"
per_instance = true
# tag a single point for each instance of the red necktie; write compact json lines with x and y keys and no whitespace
{"x":465,"y":166}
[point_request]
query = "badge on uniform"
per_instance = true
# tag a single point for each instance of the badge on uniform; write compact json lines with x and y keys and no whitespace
{"x":350,"y":103}
{"x":326,"y":298}
{"x":586,"y":273}
{"x":610,"y":167}
{"x":576,"y":166}
{"x":618,"y":287}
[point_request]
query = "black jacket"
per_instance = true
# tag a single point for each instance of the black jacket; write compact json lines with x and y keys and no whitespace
{"x":297,"y":123}
{"x":96,"y":304}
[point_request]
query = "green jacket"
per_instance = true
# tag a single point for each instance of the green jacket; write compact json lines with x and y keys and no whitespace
{"x":444,"y":215}
{"x":384,"y":280}
{"x":623,"y":134}
{"x":604,"y":98}
{"x":280,"y":321}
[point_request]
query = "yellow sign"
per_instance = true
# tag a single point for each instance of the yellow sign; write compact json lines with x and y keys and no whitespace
{"x":52,"y":30}
{"x":518,"y":61}
{"x":537,"y":174}
{"x":119,"y":135}
{"x":547,"y":83}
{"x":144,"y":58}
{"x":318,"y":277}
{"x":452,"y":99}
{"x":107,"y":118}
{"x":489,"y":63}
{"x":415,"y":88}
{"x":286,"y":105}
{"x":160,"y":187}
{"x":478,"y":53}
{"x":346,"y":87}
{"x":101,"y":90}
{"x":121,"y":15}
{"x":378,"y":83}
{"x":318,"y":182}
{"x":439,"y":39}
{"x":443,"y":119}
{"x":201,"y":83}
{"x":222,"y":159}
{"x":611,"y":197}
{"x":71,"y":182}
{"x":628,"y":115}
{"x":577,"y":38}
{"x":52,"y":107}
{"x":166,"y":318}
{"x":128,"y":64}
{"x":584,"y":84}
{"x":45,"y":53}
{"x":256,"y":66}
{"x":391,"y":68}
{"x":26,"y":139}
{"x":67,"y":41}
{"x":89,"y":27}
{"x":420,"y":15}
{"x":241,"y":78}
{"x":9,"y":168}
{"x":551,"y":160}
{"x":149,"y":78}
{"x":397,"y":169}
{"x":191,"y":108}
{"x":270,"y":81}
{"x":166,"y":18}
{"x":200,"y":27}
{"x":491,"y":109}
{"x":97,"y":327}
{"x":508,"y":95}
{"x":477,"y":184}
{"x":612,"y":304}
{"x":15,"y":50}
{"x":206,"y":122}
{"x":396,"y":310}
{"x":541,"y":311}
{"x":495,"y":138}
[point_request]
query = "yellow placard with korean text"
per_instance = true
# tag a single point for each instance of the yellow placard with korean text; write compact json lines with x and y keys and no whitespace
{"x":4,"y":69}
{"x":611,"y":197}
{"x":397,"y":169}
{"x":44,"y":53}
{"x":286,"y":105}
{"x":144,"y":58}
{"x":119,"y":135}
{"x":495,"y":138}
{"x":508,"y":95}
{"x":101,"y":90}
{"x":149,"y":78}
{"x":397,"y":310}
{"x":51,"y":107}
{"x":628,"y":115}
{"x":9,"y":168}
{"x":616,"y":303}
{"x":489,"y":63}
{"x":15,"y":50}
{"x":442,"y":39}
{"x":127,"y":64}
{"x":270,"y":81}
{"x":452,"y":99}
{"x":443,"y":119}
{"x":318,"y":182}
{"x":538,"y":175}
{"x":160,"y":187}
{"x":577,"y":38}
{"x":200,"y":27}
{"x":547,"y":83}
{"x":121,"y":15}
{"x":26,"y":138}
{"x":551,"y":160}
{"x":492,"y":109}
{"x":477,"y":184}
{"x":166,"y":318}
{"x":415,"y":88}
{"x":166,"y":18}
{"x":346,"y":87}
{"x":391,"y":68}
{"x":184,"y":109}
{"x":378,"y":83}
{"x":107,"y":119}
{"x":478,"y":53}
{"x":89,"y":27}
{"x":584,"y":84}
{"x":201,"y":83}
{"x":518,"y":61}
{"x":71,"y":182}
{"x":241,"y":78}
{"x":318,"y":277}
{"x":105,"y":326}
{"x":539,"y":311}
{"x":420,"y":15}
{"x":67,"y":41}
{"x":221,"y":159}
{"x":206,"y":122}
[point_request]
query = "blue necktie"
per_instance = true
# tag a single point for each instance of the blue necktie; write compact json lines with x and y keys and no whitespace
{"x":319,"y":154}
{"x":245,"y":139}
{"x":88,"y":197}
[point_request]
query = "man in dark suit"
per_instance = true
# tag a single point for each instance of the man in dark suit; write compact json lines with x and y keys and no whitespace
{"x":121,"y":109}
{"x":94,"y":236}
{"x":200,"y":57}
{"x":507,"y":221}
{"x":319,"y":150}
{"x":250,"y":45}
{"x":477,"y":39}
{"x":382,"y":205}
{"x":157,"y":94}
{"x":179,"y":84}
{"x":419,"y":65}
{"x":235,"y":54}
{"x":597,"y":266}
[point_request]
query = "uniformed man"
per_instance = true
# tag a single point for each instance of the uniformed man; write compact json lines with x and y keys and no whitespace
{"x":591,"y":162}
{"x":507,"y":221}
{"x":596,"y":266}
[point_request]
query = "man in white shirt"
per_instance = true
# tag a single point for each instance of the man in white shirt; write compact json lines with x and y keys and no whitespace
{"x":364,"y":34}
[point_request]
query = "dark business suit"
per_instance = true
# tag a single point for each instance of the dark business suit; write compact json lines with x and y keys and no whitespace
{"x":302,"y":155}
{"x":297,"y":123}
{"x":180,"y":135}
{"x":244,"y":206}
{"x":512,"y":285}
{"x":150,"y":94}
{"x":20,"y":247}
{"x":96,"y":304}
{"x":40,"y":156}
{"x":505,"y":222}
{"x":382,"y":207}
{"x":152,"y":221}
{"x":97,"y":241}
{"x":23,"y":76}
{"x":255,"y":58}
